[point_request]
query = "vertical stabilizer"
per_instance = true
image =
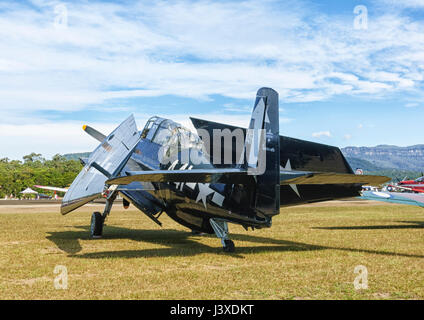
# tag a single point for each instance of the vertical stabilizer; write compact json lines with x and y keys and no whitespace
{"x":262,"y":150}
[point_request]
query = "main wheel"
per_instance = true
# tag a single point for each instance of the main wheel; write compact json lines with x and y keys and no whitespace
{"x":96,"y":226}
{"x":229,"y":246}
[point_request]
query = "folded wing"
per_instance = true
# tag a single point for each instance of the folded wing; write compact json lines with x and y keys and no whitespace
{"x":107,"y":159}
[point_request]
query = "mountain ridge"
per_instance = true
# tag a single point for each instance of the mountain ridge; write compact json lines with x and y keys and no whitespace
{"x":389,"y":156}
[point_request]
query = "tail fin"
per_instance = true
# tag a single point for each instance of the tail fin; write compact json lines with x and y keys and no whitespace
{"x":262,"y":150}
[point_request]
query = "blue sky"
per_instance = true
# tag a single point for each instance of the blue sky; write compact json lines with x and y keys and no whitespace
{"x":65,"y":64}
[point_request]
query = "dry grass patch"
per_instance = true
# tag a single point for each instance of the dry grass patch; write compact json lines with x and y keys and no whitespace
{"x":309,"y":253}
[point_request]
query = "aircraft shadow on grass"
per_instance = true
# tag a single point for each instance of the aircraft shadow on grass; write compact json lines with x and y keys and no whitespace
{"x":181,"y":243}
{"x":408,"y":225}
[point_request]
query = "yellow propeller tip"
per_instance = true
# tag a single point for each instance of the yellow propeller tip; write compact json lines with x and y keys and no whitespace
{"x":84,"y":127}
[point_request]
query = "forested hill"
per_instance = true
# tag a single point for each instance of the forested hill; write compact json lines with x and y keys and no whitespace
{"x":15,"y":175}
{"x":76,"y":156}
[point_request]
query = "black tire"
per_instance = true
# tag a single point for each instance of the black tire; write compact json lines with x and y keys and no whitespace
{"x":229,"y":246}
{"x":96,"y":225}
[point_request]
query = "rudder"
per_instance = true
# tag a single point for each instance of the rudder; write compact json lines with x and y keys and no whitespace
{"x":262,"y":151}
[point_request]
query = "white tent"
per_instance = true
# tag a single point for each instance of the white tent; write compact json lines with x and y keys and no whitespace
{"x":29,"y":191}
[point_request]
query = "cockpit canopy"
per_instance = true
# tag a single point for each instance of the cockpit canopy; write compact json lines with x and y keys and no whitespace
{"x":166,"y":132}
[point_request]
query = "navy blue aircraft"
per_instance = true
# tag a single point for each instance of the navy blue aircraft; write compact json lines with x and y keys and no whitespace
{"x":167,"y":168}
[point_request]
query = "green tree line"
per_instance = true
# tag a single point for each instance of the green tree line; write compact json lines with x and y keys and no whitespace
{"x":396,"y":174}
{"x":17,"y":175}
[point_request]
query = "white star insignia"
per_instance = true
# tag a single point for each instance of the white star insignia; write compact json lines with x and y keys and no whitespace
{"x":293,"y":186}
{"x":204,"y":191}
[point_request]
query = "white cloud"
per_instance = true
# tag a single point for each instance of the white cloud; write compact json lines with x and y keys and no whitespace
{"x":403,"y":3}
{"x":231,"y":107}
{"x":47,"y":138}
{"x":111,"y":51}
{"x":321,"y":134}
{"x":412,"y":105}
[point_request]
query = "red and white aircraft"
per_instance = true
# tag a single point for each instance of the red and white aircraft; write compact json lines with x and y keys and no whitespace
{"x":416,"y":185}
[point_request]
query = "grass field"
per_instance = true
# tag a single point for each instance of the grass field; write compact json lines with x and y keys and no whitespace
{"x":309,"y":253}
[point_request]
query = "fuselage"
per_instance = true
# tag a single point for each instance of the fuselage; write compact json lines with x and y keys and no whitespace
{"x":190,"y":204}
{"x":193,"y":204}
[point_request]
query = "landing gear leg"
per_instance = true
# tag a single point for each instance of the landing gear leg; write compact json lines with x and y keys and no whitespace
{"x":221,"y":230}
{"x":98,"y":219}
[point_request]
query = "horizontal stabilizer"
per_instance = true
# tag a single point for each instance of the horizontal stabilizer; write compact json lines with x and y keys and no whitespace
{"x":94,"y":133}
{"x":195,"y":175}
{"x":299,"y":177}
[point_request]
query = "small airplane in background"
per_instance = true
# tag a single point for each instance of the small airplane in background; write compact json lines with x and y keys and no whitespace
{"x":410,"y":192}
{"x":151,"y":170}
{"x":64,"y":190}
{"x":55,"y":189}
{"x":416,"y":185}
